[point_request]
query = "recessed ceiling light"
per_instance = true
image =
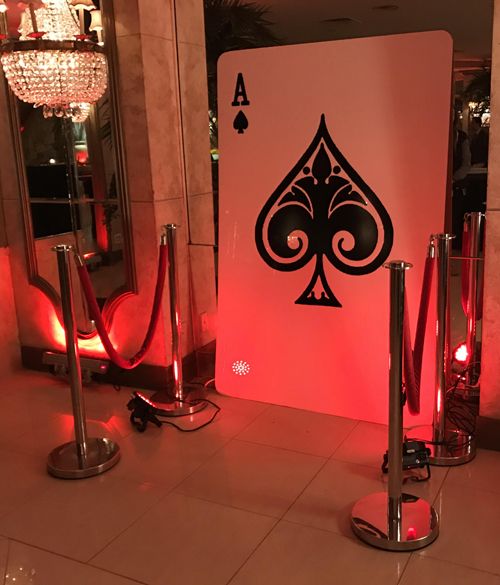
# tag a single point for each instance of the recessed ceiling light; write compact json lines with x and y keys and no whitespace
{"x":386,"y":7}
{"x":341,"y":20}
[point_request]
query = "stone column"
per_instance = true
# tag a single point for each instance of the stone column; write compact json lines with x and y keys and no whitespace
{"x":490,"y":370}
{"x":10,"y":357}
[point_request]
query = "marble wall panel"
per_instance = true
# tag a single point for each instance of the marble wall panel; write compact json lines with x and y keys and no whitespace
{"x":190,"y":22}
{"x":157,"y":18}
{"x":134,"y":118}
{"x":201,"y":219}
{"x":126,"y":17}
{"x":194,"y":101}
{"x":164,"y":123}
{"x":8,"y":166}
{"x":490,"y":380}
{"x":493,"y":200}
{"x":36,"y":316}
{"x":149,"y":17}
{"x":10,"y":355}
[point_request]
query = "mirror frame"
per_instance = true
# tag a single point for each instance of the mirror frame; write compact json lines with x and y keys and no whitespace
{"x":34,"y":278}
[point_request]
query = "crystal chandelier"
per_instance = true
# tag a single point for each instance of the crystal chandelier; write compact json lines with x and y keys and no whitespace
{"x":55,"y":64}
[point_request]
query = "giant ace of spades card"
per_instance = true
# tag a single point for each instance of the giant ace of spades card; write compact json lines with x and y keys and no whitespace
{"x":333,"y":160}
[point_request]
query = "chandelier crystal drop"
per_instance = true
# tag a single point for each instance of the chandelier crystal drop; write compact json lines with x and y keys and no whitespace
{"x":54,"y":63}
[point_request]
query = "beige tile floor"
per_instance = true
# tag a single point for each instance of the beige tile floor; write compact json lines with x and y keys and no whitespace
{"x":260,"y":497}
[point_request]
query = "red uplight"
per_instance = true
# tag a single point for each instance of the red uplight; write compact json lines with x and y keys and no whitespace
{"x":82,"y":157}
{"x":461,"y":354}
{"x":411,"y":534}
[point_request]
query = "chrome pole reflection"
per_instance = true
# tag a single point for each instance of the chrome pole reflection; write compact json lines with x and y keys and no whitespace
{"x":72,"y":351}
{"x":175,"y":321}
{"x":449,"y":446}
{"x":84,"y":457}
{"x":176,"y":404}
{"x":395,"y":452}
{"x":443,"y":244}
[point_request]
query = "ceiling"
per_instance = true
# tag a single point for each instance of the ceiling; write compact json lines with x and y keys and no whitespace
{"x":470,"y":23}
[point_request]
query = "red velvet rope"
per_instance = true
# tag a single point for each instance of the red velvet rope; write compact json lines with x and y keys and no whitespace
{"x":95,"y":314}
{"x":412,"y":359}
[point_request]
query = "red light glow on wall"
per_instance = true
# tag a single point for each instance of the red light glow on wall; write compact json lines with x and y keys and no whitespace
{"x":90,"y":347}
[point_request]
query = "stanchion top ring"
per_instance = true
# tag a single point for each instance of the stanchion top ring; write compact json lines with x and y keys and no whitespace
{"x":398,"y":265}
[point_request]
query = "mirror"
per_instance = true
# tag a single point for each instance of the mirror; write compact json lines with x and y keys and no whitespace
{"x":73,"y":190}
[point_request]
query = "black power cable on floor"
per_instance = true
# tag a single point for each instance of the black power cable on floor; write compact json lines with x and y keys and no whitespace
{"x":143,"y":412}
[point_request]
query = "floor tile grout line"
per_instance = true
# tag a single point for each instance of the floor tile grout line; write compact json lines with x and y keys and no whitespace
{"x":254,"y":550}
{"x":198,"y":467}
{"x":405,"y":567}
{"x":304,"y":489}
{"x":429,"y":555}
{"x":465,"y":486}
{"x":163,"y":497}
{"x":230,"y":506}
{"x":146,"y":511}
{"x":7,"y":561}
{"x":358,"y":422}
{"x":68,"y":558}
{"x":438,"y":493}
{"x":281,"y":448}
{"x":25,"y":503}
{"x":250,"y":423}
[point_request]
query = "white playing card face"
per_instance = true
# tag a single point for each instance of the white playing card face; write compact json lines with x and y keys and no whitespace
{"x":333,"y":159}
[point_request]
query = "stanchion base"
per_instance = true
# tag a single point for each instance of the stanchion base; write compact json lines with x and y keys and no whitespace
{"x":419,"y":523}
{"x":176,"y":408}
{"x":64,"y":461}
{"x":458,"y":447}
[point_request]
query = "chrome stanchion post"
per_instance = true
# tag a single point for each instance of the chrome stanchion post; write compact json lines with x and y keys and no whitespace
{"x":448,"y":447}
{"x":395,"y":451}
{"x":473,"y":224}
{"x":443,"y":358}
{"x":83,"y":457}
{"x":173,"y":285}
{"x":72,"y":351}
{"x":394,"y":520}
{"x":177,"y":404}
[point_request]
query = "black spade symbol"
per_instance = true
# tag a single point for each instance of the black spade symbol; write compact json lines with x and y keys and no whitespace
{"x":323,"y":209}
{"x":240,"y":122}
